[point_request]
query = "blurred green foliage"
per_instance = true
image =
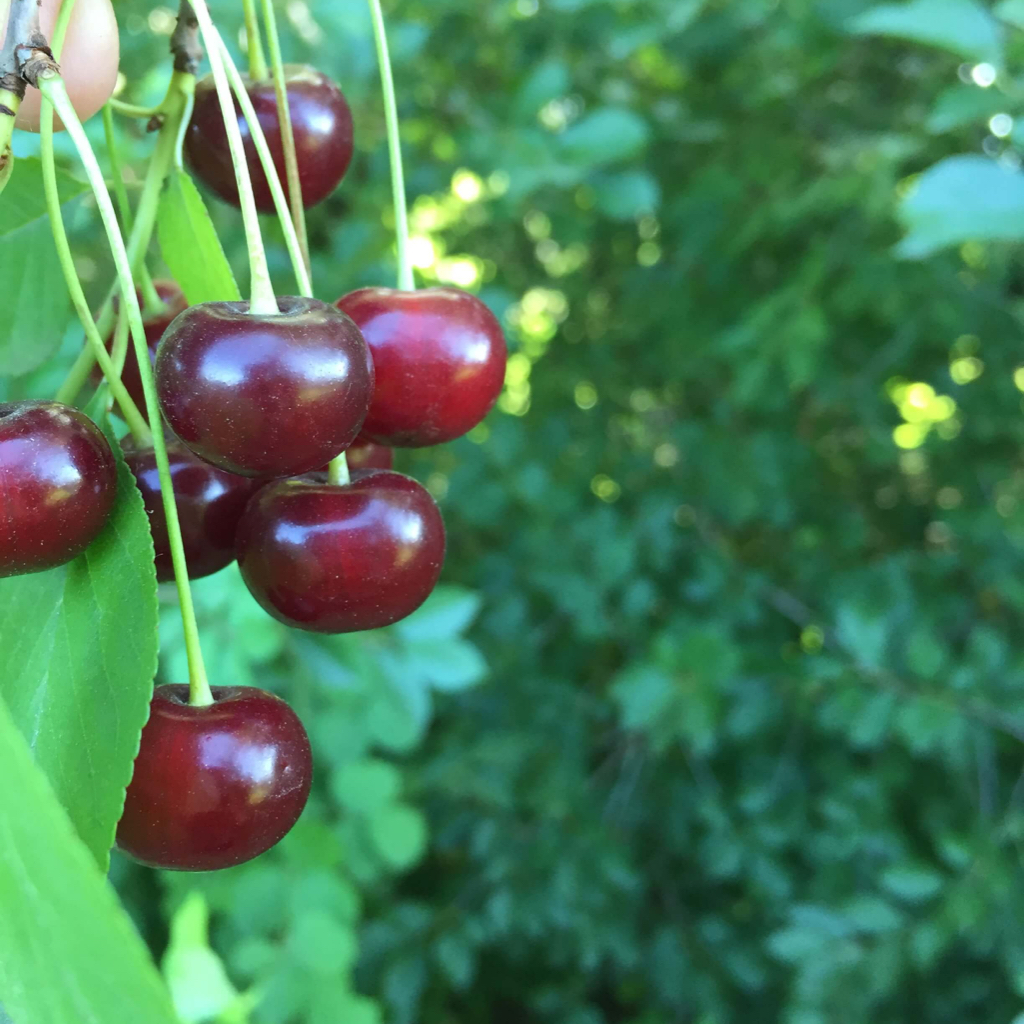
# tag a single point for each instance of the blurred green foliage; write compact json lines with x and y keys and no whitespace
{"x":746,"y":532}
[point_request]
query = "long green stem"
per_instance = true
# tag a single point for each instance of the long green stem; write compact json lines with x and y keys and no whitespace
{"x":387,"y":82}
{"x":116,"y":168}
{"x":257,"y":62}
{"x":291,"y":238}
{"x":175,"y":106}
{"x":52,"y":88}
{"x":119,"y":350}
{"x":262,"y":299}
{"x":135,"y":420}
{"x":284,"y":117}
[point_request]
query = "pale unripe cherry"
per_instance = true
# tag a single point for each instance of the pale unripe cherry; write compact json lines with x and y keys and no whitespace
{"x":88,"y":62}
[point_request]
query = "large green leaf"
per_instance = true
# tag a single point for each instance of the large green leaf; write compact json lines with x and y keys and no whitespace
{"x":36,"y":303}
{"x":963,"y":27}
{"x":77,"y":661}
{"x":190,"y":246}
{"x":607,"y":135}
{"x":959,"y":199}
{"x":68,"y":952}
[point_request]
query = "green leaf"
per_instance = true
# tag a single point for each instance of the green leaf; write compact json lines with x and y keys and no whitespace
{"x":961,"y":105}
{"x":959,"y":199}
{"x":628,"y":195}
{"x":77,"y":664}
{"x":36,"y":302}
{"x":319,"y":943}
{"x":400,"y":834}
{"x":68,"y":952}
{"x":547,"y":81}
{"x":962,"y":27}
{"x":363,"y":786}
{"x":24,"y":202}
{"x":446,"y":613}
{"x":449,"y":665}
{"x":1010,"y":11}
{"x":607,"y":135}
{"x":190,"y":246}
{"x":911,"y":883}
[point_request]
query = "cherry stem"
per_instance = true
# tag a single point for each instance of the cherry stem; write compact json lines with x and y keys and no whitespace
{"x":263,"y":301}
{"x":175,"y":107}
{"x":119,"y":350}
{"x":259,"y":139}
{"x":135,"y":420}
{"x":337,"y":470}
{"x":387,"y":82}
{"x":257,"y":61}
{"x":116,"y":169}
{"x":51,"y":86}
{"x":131,"y":110}
{"x":284,"y":117}
{"x":151,"y":301}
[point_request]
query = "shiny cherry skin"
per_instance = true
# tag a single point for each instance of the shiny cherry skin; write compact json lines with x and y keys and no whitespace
{"x":439,"y":355}
{"x":155,"y":324}
{"x":58,"y":482}
{"x":321,"y":123}
{"x":340,"y":558}
{"x":210,"y":502}
{"x":214,"y":786}
{"x":264,"y":395}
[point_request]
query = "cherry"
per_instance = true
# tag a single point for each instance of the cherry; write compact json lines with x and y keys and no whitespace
{"x":58,"y":482}
{"x":439,"y":356}
{"x":365,"y":454}
{"x":155,"y":324}
{"x":264,"y":395}
{"x":210,"y":502}
{"x":321,"y":124}
{"x":336,"y":559}
{"x":214,"y":786}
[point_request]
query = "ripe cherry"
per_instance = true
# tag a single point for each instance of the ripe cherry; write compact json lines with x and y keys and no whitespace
{"x":210,"y":502}
{"x":155,"y":324}
{"x":321,"y":123}
{"x":264,"y":395}
{"x":214,"y":786}
{"x":58,"y":482}
{"x":365,"y":454}
{"x":336,"y":559}
{"x":439,"y":356}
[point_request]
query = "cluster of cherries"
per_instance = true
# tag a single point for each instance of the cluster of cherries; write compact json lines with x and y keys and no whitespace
{"x":259,"y":406}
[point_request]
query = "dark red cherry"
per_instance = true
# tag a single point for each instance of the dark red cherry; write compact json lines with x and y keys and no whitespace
{"x":264,"y":395}
{"x":321,"y":123}
{"x":58,"y":482}
{"x":214,"y":786}
{"x":155,"y":324}
{"x":335,"y":559}
{"x":364,"y":454}
{"x":210,"y":502}
{"x":439,"y":357}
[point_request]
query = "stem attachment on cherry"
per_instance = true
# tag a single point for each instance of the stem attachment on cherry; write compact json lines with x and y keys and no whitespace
{"x":337,"y":470}
{"x":406,"y":280}
{"x":262,"y":299}
{"x":284,"y":117}
{"x":52,"y":88}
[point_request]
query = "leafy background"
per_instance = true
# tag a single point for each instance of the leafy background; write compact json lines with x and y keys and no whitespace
{"x":718,"y":716}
